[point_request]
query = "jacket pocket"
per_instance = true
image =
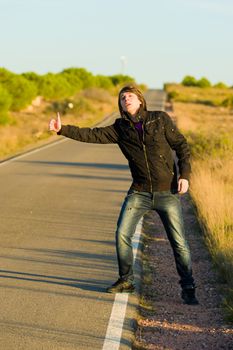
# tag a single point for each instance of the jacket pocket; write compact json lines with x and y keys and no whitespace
{"x":166,"y":163}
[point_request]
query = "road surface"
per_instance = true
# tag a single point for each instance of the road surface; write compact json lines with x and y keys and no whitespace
{"x":59,"y":206}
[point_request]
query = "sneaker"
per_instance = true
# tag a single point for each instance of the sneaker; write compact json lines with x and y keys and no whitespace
{"x":121,"y":286}
{"x":188,"y":296}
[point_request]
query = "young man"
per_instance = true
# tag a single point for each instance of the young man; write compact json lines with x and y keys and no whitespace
{"x":146,"y":139}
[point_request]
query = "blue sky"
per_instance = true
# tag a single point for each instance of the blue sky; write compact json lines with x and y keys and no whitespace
{"x":161,"y":40}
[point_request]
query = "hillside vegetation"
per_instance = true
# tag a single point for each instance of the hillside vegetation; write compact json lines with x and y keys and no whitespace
{"x":29,"y":100}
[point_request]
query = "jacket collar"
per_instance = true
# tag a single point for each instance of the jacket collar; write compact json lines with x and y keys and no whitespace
{"x":141,"y":115}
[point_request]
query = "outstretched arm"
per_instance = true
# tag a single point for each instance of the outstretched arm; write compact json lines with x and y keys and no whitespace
{"x":101,"y":135}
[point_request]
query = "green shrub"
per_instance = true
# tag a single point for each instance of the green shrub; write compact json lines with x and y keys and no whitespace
{"x":172,"y":95}
{"x":5,"y":103}
{"x":189,"y":81}
{"x":120,"y":79}
{"x":221,"y":85}
{"x":103,"y":82}
{"x":21,"y":90}
{"x":33,"y":77}
{"x":203,"y":83}
{"x":78,"y":78}
{"x":5,"y":75}
{"x":25,"y":87}
{"x":228,"y":102}
{"x":213,"y":145}
{"x":54,"y":86}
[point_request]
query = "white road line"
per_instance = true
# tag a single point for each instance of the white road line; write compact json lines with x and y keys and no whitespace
{"x":5,"y":162}
{"x":115,"y":325}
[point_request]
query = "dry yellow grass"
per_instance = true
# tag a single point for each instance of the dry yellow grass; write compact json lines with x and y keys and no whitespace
{"x":213,"y":196}
{"x":212,"y":183}
{"x":209,"y":96}
{"x":201,"y":118}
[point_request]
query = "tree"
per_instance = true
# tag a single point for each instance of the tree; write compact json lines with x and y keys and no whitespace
{"x":5,"y":75}
{"x":120,"y":79}
{"x":21,"y":90}
{"x":221,"y":85}
{"x":79,"y":78}
{"x":54,"y":86}
{"x":189,"y":81}
{"x":5,"y":103}
{"x":103,"y":82}
{"x":203,"y":83}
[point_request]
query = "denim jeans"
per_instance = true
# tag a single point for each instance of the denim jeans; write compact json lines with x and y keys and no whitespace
{"x":168,"y":206}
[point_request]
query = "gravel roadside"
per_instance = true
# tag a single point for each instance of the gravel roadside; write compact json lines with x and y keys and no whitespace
{"x":165,"y":322}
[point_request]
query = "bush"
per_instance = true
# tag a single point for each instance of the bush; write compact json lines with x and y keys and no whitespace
{"x":228,"y":102}
{"x":25,"y":87}
{"x":103,"y":82}
{"x":78,"y":78}
{"x":221,"y":85}
{"x":21,"y":90}
{"x":189,"y":81}
{"x":214,"y":145}
{"x":172,"y":95}
{"x":120,"y":79}
{"x":54,"y":86}
{"x":5,"y":103}
{"x":203,"y":83}
{"x":5,"y":75}
{"x":33,"y":77}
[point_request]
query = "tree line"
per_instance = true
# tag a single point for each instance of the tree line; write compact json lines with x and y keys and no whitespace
{"x":17,"y":91}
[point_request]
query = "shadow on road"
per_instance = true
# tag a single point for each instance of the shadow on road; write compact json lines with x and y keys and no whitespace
{"x":85,"y":284}
{"x":88,"y":262}
{"x":74,"y":164}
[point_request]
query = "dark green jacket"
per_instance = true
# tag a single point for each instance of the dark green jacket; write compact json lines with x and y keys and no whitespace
{"x":150,"y":160}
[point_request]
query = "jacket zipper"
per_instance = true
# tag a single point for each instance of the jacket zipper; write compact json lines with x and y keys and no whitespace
{"x":146,"y":159}
{"x":165,"y":161}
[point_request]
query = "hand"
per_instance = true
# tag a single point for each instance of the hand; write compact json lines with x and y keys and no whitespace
{"x":55,"y":124}
{"x":183,"y":186}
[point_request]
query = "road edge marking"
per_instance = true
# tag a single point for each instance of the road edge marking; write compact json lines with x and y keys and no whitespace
{"x":28,"y":153}
{"x":116,"y":321}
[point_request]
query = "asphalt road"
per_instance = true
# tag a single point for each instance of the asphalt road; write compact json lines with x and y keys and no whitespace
{"x":58,"y":212}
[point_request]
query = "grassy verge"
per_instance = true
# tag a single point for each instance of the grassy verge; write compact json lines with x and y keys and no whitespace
{"x":210,"y":96}
{"x":29,"y":128}
{"x":209,"y":132}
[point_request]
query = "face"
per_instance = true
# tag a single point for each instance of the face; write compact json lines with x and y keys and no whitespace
{"x":130,"y":102}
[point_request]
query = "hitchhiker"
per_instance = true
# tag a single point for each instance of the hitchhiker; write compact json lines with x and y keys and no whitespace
{"x":146,"y":138}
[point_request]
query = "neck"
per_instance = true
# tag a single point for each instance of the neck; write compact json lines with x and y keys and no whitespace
{"x":133,"y":114}
{"x":134,"y":118}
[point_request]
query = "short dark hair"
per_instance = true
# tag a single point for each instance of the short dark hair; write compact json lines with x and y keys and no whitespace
{"x":134,"y":89}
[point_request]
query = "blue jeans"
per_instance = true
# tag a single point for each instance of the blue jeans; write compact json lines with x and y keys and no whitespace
{"x":168,"y":206}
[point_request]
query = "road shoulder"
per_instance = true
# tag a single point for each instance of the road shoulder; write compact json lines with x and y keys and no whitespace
{"x":165,"y":322}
